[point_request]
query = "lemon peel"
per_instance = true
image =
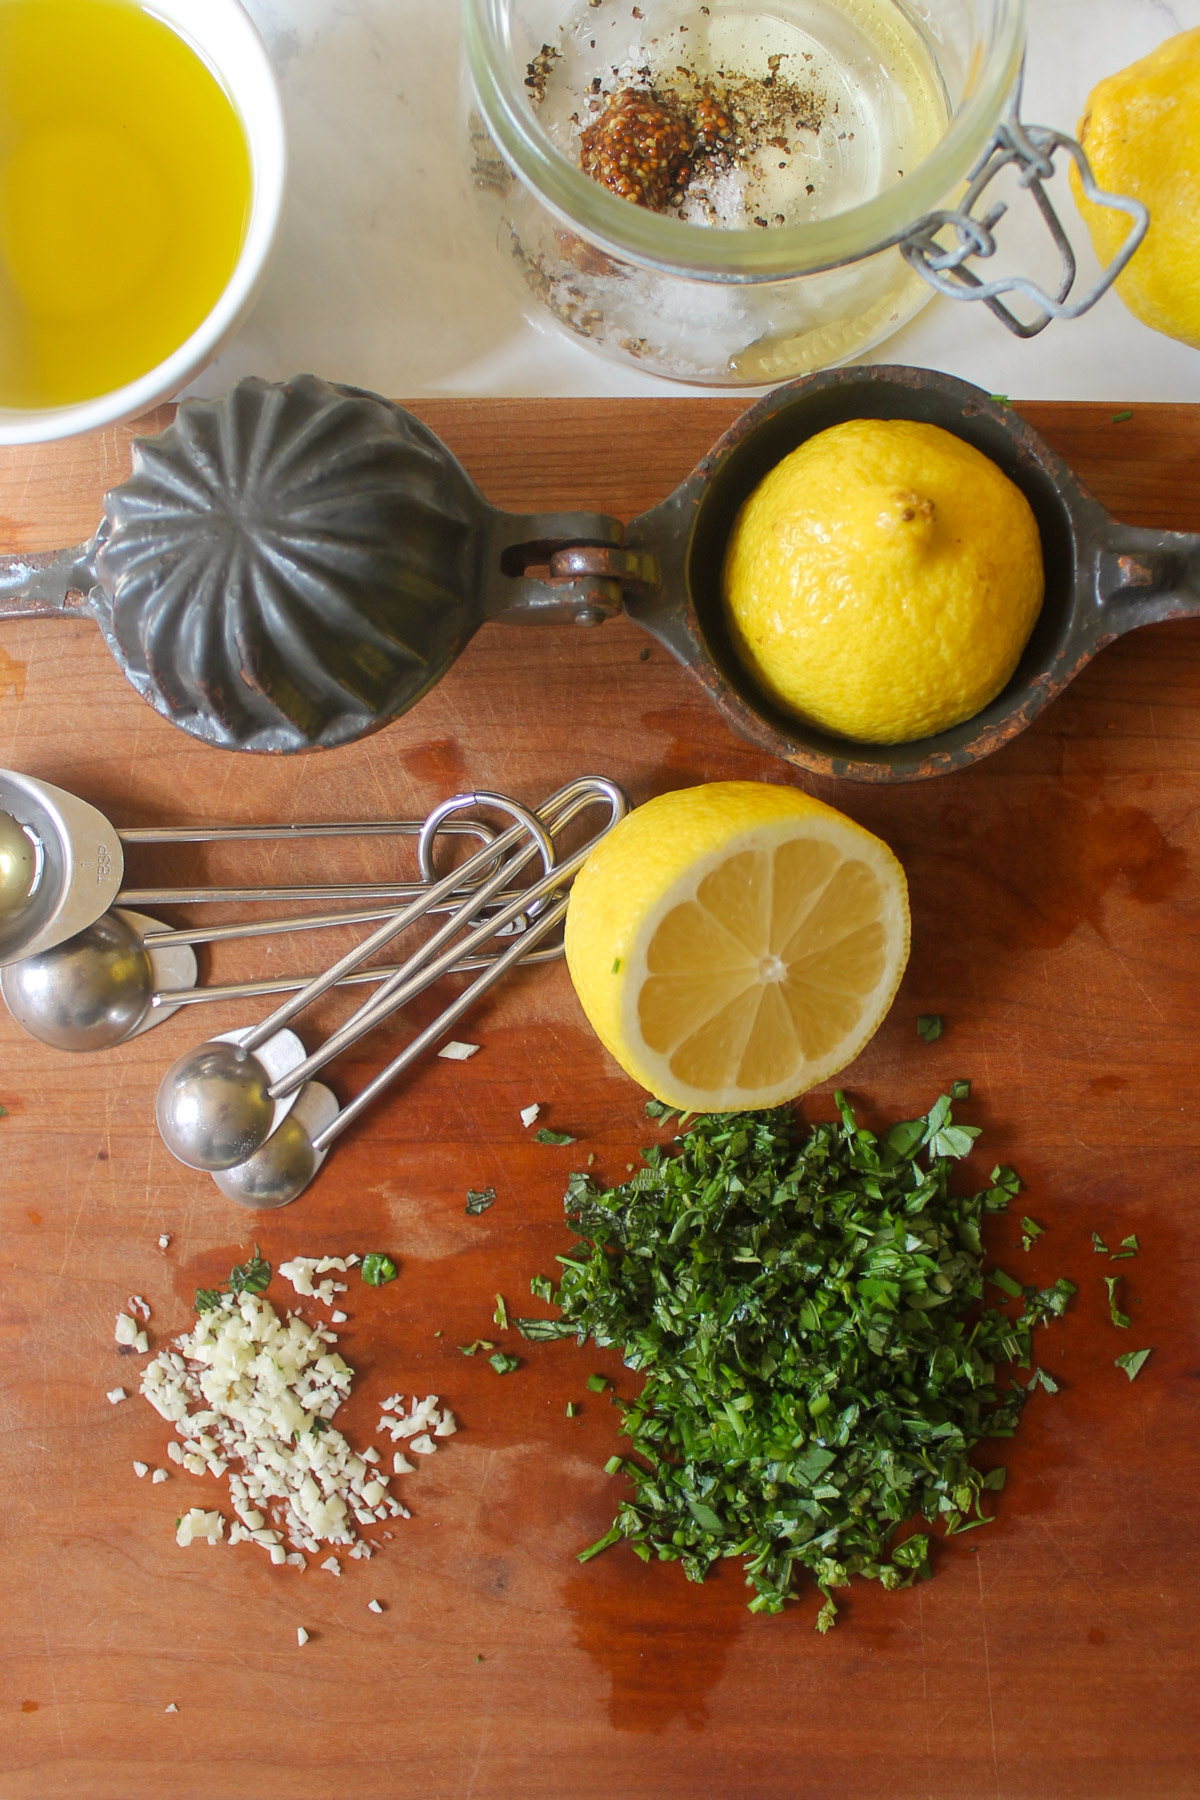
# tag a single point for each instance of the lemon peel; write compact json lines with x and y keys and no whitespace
{"x":1141,"y":133}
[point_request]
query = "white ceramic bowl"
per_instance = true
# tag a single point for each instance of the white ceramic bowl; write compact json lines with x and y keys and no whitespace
{"x":225,"y":36}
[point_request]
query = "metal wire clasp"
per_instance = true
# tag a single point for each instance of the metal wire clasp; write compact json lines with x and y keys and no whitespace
{"x":1030,"y":149}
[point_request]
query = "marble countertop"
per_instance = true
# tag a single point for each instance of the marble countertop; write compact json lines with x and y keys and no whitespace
{"x":385,"y":278}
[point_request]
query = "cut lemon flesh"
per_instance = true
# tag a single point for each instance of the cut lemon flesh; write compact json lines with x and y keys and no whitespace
{"x":735,"y":944}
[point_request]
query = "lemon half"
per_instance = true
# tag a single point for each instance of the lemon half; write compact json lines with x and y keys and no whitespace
{"x":734,"y":944}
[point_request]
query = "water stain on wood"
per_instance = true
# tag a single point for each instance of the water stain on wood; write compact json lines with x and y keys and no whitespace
{"x":12,"y":676}
{"x":1043,"y":867}
{"x":661,"y":1641}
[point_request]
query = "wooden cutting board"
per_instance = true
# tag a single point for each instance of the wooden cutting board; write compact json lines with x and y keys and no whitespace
{"x":1055,"y":1654}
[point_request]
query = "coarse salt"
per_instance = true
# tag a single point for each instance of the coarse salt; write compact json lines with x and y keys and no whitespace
{"x":301,"y":1636}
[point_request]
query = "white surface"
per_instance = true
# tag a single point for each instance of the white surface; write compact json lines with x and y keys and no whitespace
{"x":385,"y":278}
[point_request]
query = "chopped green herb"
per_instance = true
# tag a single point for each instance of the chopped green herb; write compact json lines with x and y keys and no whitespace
{"x":479,"y":1344}
{"x":995,"y":1478}
{"x":540,"y":1331}
{"x":377,"y":1268}
{"x":960,"y":1090}
{"x":479,"y":1199}
{"x":250,"y":1277}
{"x":1132,"y":1362}
{"x":658,"y":1109}
{"x":1112,"y":1282}
{"x":1040,"y":1378}
{"x":1006,"y":1185}
{"x":1130,"y":1243}
{"x":616,"y":964}
{"x":596,"y":1384}
{"x":930,"y":1026}
{"x":826,"y":1616}
{"x":541,"y":1287}
{"x":1099,"y":1245}
{"x":807,"y":1312}
{"x":3,"y":1112}
{"x":570,"y":1409}
{"x":318,"y":1425}
{"x":1119,"y":418}
{"x":591,"y":1158}
{"x":503,"y":1364}
{"x":1005,"y":1283}
{"x":553,"y":1137}
{"x":1031,"y":1227}
{"x":501,"y":1313}
{"x":1000,"y":399}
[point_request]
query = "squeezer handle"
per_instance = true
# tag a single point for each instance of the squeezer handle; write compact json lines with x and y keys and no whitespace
{"x":46,"y":584}
{"x":1144,"y":577}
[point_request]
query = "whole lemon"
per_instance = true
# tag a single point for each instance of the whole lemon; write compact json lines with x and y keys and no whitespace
{"x":883,"y":579}
{"x":1141,"y":132}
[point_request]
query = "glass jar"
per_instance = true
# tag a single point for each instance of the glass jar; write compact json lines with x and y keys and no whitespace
{"x":824,"y":242}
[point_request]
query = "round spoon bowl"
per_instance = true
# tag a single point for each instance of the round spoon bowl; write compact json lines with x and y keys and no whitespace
{"x":89,"y":993}
{"x":214,"y":1109}
{"x":277,"y":1173}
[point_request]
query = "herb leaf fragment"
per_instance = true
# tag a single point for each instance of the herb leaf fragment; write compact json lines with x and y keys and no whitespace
{"x":503,"y":1363}
{"x":1112,"y":1282}
{"x":545,"y":1136}
{"x":807,"y":1311}
{"x":930,"y":1027}
{"x":250,"y":1277}
{"x":378,"y":1268}
{"x":1132,"y":1362}
{"x":479,"y":1199}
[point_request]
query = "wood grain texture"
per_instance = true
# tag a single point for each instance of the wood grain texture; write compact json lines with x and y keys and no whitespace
{"x":1055,"y":1656}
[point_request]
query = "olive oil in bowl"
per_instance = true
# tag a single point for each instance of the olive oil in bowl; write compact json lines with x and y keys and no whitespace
{"x":125,"y":188}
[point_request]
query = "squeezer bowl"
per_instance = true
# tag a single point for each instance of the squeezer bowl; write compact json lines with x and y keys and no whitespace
{"x":702,"y":512}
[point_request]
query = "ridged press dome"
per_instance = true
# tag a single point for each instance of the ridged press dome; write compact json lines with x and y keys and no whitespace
{"x":290,"y":566}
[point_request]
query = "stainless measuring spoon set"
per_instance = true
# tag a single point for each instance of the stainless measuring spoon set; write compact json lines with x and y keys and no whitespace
{"x":84,"y":970}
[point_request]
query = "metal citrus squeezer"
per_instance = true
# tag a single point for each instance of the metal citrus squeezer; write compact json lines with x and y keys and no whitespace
{"x":298,"y":563}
